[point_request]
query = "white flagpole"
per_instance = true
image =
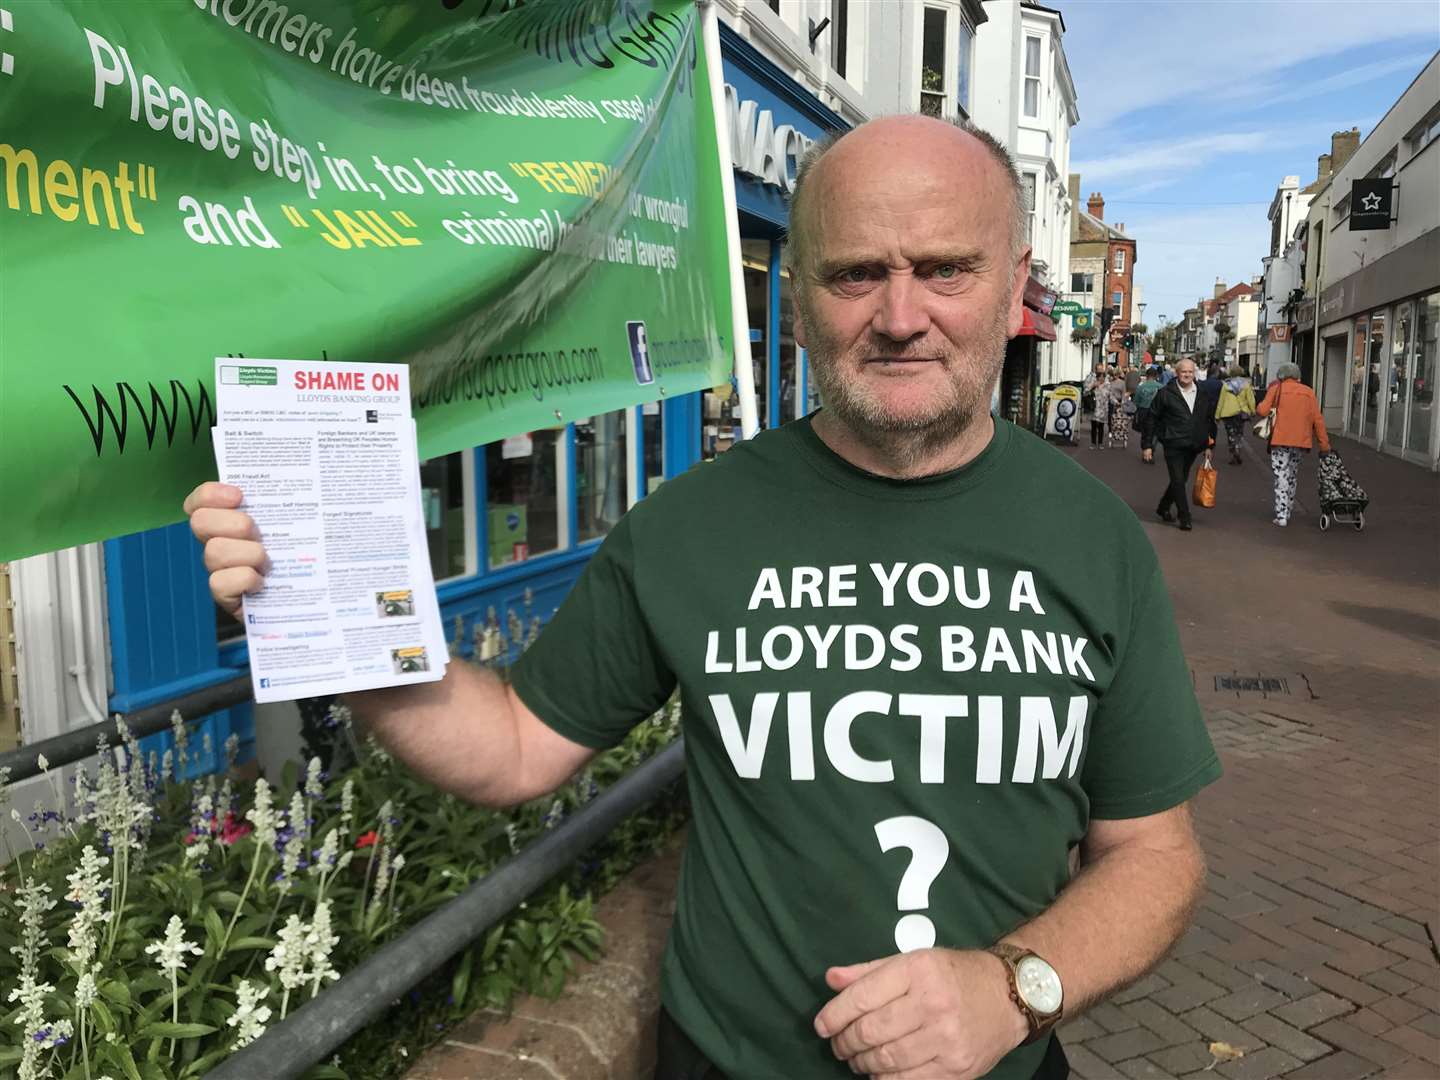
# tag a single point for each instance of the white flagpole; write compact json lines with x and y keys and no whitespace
{"x":740,"y":317}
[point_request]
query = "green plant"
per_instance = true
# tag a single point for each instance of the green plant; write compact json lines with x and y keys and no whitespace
{"x":195,"y":917}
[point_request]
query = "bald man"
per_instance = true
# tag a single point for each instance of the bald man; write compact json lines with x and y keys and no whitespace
{"x":911,"y":692}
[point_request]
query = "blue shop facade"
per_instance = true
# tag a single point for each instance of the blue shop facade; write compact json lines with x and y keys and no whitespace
{"x":512,"y":523}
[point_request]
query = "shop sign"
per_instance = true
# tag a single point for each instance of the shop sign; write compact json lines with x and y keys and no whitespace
{"x":1083,"y":320}
{"x":1280,"y":333}
{"x":1370,"y":203}
{"x":759,"y":147}
{"x":1067,"y":307}
{"x":534,"y":224}
{"x":1305,"y":314}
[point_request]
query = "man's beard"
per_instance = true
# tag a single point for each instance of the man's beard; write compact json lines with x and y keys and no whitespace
{"x":909,"y":439}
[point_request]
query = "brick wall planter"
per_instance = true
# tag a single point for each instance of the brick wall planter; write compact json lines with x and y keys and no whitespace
{"x":603,"y":1025}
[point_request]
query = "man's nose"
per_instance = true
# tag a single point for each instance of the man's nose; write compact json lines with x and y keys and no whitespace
{"x":902,"y":313}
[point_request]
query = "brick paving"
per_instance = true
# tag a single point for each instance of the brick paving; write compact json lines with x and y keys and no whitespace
{"x":1314,"y":952}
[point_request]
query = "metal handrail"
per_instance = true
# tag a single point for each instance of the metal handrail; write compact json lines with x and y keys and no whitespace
{"x":80,"y":743}
{"x":313,"y":1033}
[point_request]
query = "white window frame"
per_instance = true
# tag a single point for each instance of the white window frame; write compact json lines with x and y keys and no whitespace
{"x":1030,"y":209}
{"x":1117,"y":302}
{"x":943,"y":92}
{"x":1027,"y":78}
{"x":965,"y":61}
{"x":1119,"y":265}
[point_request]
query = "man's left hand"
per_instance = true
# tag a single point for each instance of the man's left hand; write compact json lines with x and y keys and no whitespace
{"x":940,"y":1014}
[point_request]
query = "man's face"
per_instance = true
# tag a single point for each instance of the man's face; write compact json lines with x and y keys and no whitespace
{"x":1185,"y":374}
{"x":908,"y":285}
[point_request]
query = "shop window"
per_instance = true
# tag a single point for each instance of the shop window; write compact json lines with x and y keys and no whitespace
{"x":445,"y":500}
{"x":1372,"y":374}
{"x":1397,"y":381}
{"x":1027,"y":190}
{"x":932,"y":64}
{"x":1359,"y":343}
{"x":1422,"y":382}
{"x":774,"y":6}
{"x":963,"y":68}
{"x":1117,"y":301}
{"x":652,"y":428}
{"x":1425,"y":133}
{"x":1032,"y":76}
{"x":602,"y":473}
{"x":522,"y":496}
{"x":719,"y":421}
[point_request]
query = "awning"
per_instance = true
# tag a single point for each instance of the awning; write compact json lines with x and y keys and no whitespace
{"x":1036,"y":325}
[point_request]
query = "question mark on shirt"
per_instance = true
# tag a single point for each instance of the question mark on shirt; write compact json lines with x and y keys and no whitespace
{"x":929,"y":849}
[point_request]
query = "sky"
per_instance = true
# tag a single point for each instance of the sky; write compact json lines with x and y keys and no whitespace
{"x":1193,"y":112}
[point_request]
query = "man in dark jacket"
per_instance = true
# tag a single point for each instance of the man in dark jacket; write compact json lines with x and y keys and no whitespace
{"x":1182,"y":417}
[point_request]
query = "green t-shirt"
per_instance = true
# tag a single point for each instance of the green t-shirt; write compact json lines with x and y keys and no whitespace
{"x":904,"y":700}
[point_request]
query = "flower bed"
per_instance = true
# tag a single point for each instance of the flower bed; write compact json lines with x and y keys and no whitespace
{"x":163,"y":924}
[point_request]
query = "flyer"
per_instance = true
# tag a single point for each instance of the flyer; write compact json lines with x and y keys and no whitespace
{"x":325,"y":454}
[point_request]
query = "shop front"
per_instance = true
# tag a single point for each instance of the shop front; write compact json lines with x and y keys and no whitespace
{"x":1385,"y":352}
{"x":1025,"y":357}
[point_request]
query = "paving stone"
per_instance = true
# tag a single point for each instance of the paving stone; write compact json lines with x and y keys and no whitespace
{"x":1080,"y":1029}
{"x":1342,"y":1065}
{"x":1144,"y":1069}
{"x":1150,"y":984}
{"x":1246,"y":1003}
{"x":1171,"y":1030}
{"x":1111,"y":1018}
{"x":1084,"y":1064}
{"x":1292,"y":1040}
{"x":1125,"y":1044}
{"x":1183,"y":1059}
{"x":1348,"y":1037}
{"x":1423,"y":1046}
{"x":1216,"y":1028}
{"x":1286,"y":981}
{"x":1261,"y":1065}
{"x":1184,"y":996}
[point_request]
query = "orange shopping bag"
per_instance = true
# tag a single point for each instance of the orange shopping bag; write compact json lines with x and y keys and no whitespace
{"x":1203,"y":493}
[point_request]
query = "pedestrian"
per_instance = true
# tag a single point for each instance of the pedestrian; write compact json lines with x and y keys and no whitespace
{"x":885,"y":567}
{"x":1117,"y":422}
{"x":1297,"y":425}
{"x":1183,"y":418}
{"x":1235,"y":406}
{"x":1168,"y":374}
{"x":1133,"y":377}
{"x":1144,"y":395}
{"x":1097,"y":406}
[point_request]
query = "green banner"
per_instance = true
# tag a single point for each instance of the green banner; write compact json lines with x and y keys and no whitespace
{"x":521,"y":201}
{"x":1067,"y":307}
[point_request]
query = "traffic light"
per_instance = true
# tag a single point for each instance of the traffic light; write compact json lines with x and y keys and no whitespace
{"x":1129,"y":341}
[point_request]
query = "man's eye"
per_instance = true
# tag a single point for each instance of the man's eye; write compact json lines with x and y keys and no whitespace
{"x":855,"y":275}
{"x":946,"y":271}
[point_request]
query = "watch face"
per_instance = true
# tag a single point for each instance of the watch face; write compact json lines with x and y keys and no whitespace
{"x":1038,"y":985}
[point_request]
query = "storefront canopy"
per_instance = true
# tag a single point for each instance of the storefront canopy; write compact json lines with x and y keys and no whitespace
{"x":1036,"y":325}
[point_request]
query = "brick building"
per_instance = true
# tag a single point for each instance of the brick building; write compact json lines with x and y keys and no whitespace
{"x":1092,"y":239}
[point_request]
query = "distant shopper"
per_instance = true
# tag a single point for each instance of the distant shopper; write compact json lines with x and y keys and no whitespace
{"x":1132,"y":379}
{"x":1097,"y":406}
{"x":1236,"y":405}
{"x":1144,"y":395}
{"x":1298,"y":425}
{"x":1117,"y":423}
{"x":1183,"y":418}
{"x":1167,"y":375}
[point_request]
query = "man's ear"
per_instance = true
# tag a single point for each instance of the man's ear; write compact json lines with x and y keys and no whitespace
{"x":1017,"y":291}
{"x":799,"y":327}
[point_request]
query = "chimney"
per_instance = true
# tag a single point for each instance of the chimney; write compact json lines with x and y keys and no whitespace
{"x":1342,"y":145}
{"x":1096,"y":206}
{"x":1219,"y":288}
{"x":1119,"y":226}
{"x":1324,"y":168}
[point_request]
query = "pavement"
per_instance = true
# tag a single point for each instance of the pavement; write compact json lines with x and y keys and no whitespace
{"x":1316,"y":658}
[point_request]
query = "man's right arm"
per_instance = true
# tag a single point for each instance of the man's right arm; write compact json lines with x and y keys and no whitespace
{"x":469,"y":734}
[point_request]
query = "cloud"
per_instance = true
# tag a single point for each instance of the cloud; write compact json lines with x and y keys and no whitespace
{"x":1356,"y":76}
{"x":1131,"y":56}
{"x":1181,"y":252}
{"x":1171,"y":156}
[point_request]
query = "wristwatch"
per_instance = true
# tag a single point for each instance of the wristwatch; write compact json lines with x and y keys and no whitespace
{"x":1034,"y":988}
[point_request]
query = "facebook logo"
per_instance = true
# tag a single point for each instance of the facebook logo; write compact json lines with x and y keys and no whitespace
{"x":264,"y":684}
{"x":640,"y":352}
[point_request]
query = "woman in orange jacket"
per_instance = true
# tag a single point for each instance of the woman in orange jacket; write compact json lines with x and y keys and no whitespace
{"x":1298,"y":424}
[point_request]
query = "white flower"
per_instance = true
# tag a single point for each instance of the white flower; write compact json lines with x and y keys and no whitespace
{"x":329,"y":854}
{"x":251,"y":1012}
{"x":85,"y":990}
{"x":86,"y":891}
{"x":288,"y":956}
{"x":314,"y":787}
{"x":167,"y":764}
{"x":172,"y":951}
{"x":263,"y":815}
{"x":232,"y":750}
{"x":41,"y":761}
{"x":347,"y":803}
{"x":181,"y":733}
{"x":318,"y":942}
{"x":299,"y":839}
